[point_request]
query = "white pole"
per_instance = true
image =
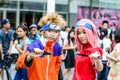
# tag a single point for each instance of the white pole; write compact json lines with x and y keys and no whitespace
{"x":50,"y":6}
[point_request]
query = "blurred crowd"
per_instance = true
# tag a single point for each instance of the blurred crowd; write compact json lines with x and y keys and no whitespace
{"x":25,"y":35}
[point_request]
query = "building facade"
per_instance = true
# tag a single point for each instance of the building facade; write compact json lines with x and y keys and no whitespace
{"x":31,"y":11}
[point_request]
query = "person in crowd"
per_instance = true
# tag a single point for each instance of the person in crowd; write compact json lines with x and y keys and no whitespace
{"x":63,"y":35}
{"x":23,"y":41}
{"x":114,"y":58}
{"x":73,"y":28}
{"x":67,"y":28}
{"x":87,"y":61}
{"x":113,"y":43}
{"x":105,"y":25}
{"x":43,"y":57}
{"x":68,"y":49}
{"x":105,"y":43}
{"x":6,"y":40}
{"x":23,"y":23}
{"x":41,"y":32}
{"x":34,"y":35}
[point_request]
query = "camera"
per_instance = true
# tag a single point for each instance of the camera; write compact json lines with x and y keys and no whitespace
{"x":5,"y":63}
{"x":8,"y":60}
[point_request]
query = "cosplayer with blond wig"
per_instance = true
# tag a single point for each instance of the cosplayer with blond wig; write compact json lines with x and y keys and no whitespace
{"x":43,"y":57}
{"x":87,"y":61}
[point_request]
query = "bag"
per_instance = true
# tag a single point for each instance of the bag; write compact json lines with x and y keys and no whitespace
{"x":60,"y":75}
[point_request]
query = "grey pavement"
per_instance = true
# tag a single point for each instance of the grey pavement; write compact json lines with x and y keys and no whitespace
{"x":13,"y":71}
{"x":72,"y":71}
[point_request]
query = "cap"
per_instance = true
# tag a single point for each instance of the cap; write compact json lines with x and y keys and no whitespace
{"x":51,"y":27}
{"x":33,"y":26}
{"x":4,"y":21}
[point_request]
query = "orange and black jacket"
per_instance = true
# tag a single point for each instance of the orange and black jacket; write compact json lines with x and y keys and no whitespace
{"x":45,"y":67}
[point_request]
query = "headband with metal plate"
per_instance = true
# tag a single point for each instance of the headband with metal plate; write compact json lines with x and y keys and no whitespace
{"x":87,"y":25}
{"x":51,"y":26}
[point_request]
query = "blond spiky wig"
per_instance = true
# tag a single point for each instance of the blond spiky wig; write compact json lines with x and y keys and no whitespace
{"x":52,"y":18}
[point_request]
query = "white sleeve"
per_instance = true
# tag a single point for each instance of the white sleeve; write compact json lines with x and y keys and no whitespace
{"x":107,"y":43}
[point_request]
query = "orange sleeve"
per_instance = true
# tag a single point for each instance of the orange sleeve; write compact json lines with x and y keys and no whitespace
{"x":58,"y":63}
{"x":21,"y":60}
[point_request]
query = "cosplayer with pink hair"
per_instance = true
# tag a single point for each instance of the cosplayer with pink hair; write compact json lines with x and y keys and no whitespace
{"x":88,"y":59}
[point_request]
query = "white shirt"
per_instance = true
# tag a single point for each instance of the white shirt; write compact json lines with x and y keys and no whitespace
{"x":106,"y":44}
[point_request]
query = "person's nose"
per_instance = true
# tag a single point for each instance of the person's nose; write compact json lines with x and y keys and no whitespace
{"x":52,"y":33}
{"x":81,"y":35}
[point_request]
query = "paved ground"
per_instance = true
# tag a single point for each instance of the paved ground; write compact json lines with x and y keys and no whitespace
{"x":65,"y":78}
{"x":13,"y":71}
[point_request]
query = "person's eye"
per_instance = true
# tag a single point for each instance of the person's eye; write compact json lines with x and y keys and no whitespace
{"x":57,"y":31}
{"x":84,"y":32}
{"x":49,"y":30}
{"x":78,"y":32}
